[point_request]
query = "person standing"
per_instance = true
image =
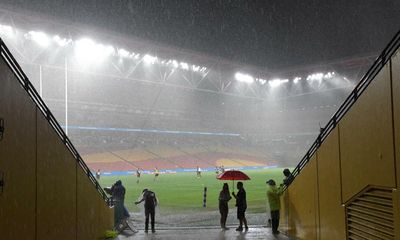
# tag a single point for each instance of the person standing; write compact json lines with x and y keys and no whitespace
{"x":273,"y":195}
{"x":224,"y":197}
{"x":150,"y":203}
{"x":98,"y":174}
{"x":198,"y":172}
{"x":288,"y":177}
{"x":156,"y":173}
{"x":241,"y":205}
{"x":118,"y":195}
{"x":137,"y":175}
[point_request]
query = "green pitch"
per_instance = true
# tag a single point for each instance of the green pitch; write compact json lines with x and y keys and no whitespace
{"x":183,"y":192}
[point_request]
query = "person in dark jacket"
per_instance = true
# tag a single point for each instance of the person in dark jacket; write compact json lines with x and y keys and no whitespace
{"x":150,"y":203}
{"x":118,"y":195}
{"x":288,"y":177}
{"x":224,"y":197}
{"x":241,"y":205}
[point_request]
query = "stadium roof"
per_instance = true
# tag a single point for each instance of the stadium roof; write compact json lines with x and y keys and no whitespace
{"x":269,"y":34}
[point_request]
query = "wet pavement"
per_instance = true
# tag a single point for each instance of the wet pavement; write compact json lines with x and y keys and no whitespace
{"x":203,"y":233}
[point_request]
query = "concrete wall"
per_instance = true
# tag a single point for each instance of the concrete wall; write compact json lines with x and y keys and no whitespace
{"x":46,"y":194}
{"x":363,"y":150}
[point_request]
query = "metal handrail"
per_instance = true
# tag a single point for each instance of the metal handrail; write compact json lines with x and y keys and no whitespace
{"x":33,"y":94}
{"x":376,"y":67}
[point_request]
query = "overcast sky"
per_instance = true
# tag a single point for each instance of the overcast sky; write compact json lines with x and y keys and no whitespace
{"x":268,"y":34}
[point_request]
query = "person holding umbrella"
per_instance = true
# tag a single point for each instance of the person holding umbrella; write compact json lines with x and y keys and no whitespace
{"x":241,"y":205}
{"x":224,"y":197}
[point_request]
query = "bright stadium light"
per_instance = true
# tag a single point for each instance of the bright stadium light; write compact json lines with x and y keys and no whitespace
{"x":195,"y":68}
{"x":261,"y":81}
{"x":242,"y":77}
{"x":329,"y":75}
{"x":149,"y":59}
{"x":276,"y":82}
{"x":175,"y":63}
{"x":315,"y":76}
{"x":86,"y":51}
{"x":107,"y":50}
{"x":123,"y":53}
{"x":40,"y":38}
{"x":184,"y":66}
{"x":296,"y":79}
{"x":61,"y":41}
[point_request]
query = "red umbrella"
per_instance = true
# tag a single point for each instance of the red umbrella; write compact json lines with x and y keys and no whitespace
{"x":233,"y":175}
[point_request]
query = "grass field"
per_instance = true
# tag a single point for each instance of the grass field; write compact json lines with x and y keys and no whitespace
{"x":183,"y":192}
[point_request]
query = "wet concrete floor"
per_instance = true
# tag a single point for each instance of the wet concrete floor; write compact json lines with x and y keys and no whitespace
{"x":203,"y":233}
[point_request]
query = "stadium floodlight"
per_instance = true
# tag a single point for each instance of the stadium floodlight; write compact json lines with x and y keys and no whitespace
{"x":184,"y":66}
{"x":315,"y":76}
{"x":175,"y":63}
{"x":40,"y":38}
{"x":276,"y":82}
{"x":261,"y":81}
{"x":6,"y":30}
{"x":149,"y":59}
{"x":242,"y":77}
{"x":61,"y":41}
{"x":329,"y":75}
{"x":123,"y":53}
{"x":107,"y":50}
{"x":195,"y":68}
{"x":296,"y":79}
{"x":87,"y":51}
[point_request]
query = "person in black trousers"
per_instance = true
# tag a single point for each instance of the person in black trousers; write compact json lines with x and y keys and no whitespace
{"x":241,"y":205}
{"x":224,"y":197}
{"x":150,"y":203}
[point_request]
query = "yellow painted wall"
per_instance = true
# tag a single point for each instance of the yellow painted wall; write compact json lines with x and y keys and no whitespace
{"x":396,"y":121}
{"x":396,"y":109}
{"x":93,"y":214}
{"x":43,"y":183}
{"x":17,"y":159}
{"x":284,"y":213}
{"x":366,"y":142}
{"x":364,"y":149}
{"x":56,"y":185}
{"x":303,"y":203}
{"x":331,"y":212}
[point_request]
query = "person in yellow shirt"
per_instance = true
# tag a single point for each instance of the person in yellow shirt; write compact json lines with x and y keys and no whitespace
{"x":273,"y":195}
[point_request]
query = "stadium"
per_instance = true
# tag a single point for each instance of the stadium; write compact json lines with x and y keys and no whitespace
{"x":175,"y":109}
{"x":127,"y":104}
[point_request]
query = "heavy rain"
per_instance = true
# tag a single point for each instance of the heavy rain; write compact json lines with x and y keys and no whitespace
{"x":177,"y":86}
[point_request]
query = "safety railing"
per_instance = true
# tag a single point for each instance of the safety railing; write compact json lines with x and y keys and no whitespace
{"x":27,"y":85}
{"x":379,"y":63}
